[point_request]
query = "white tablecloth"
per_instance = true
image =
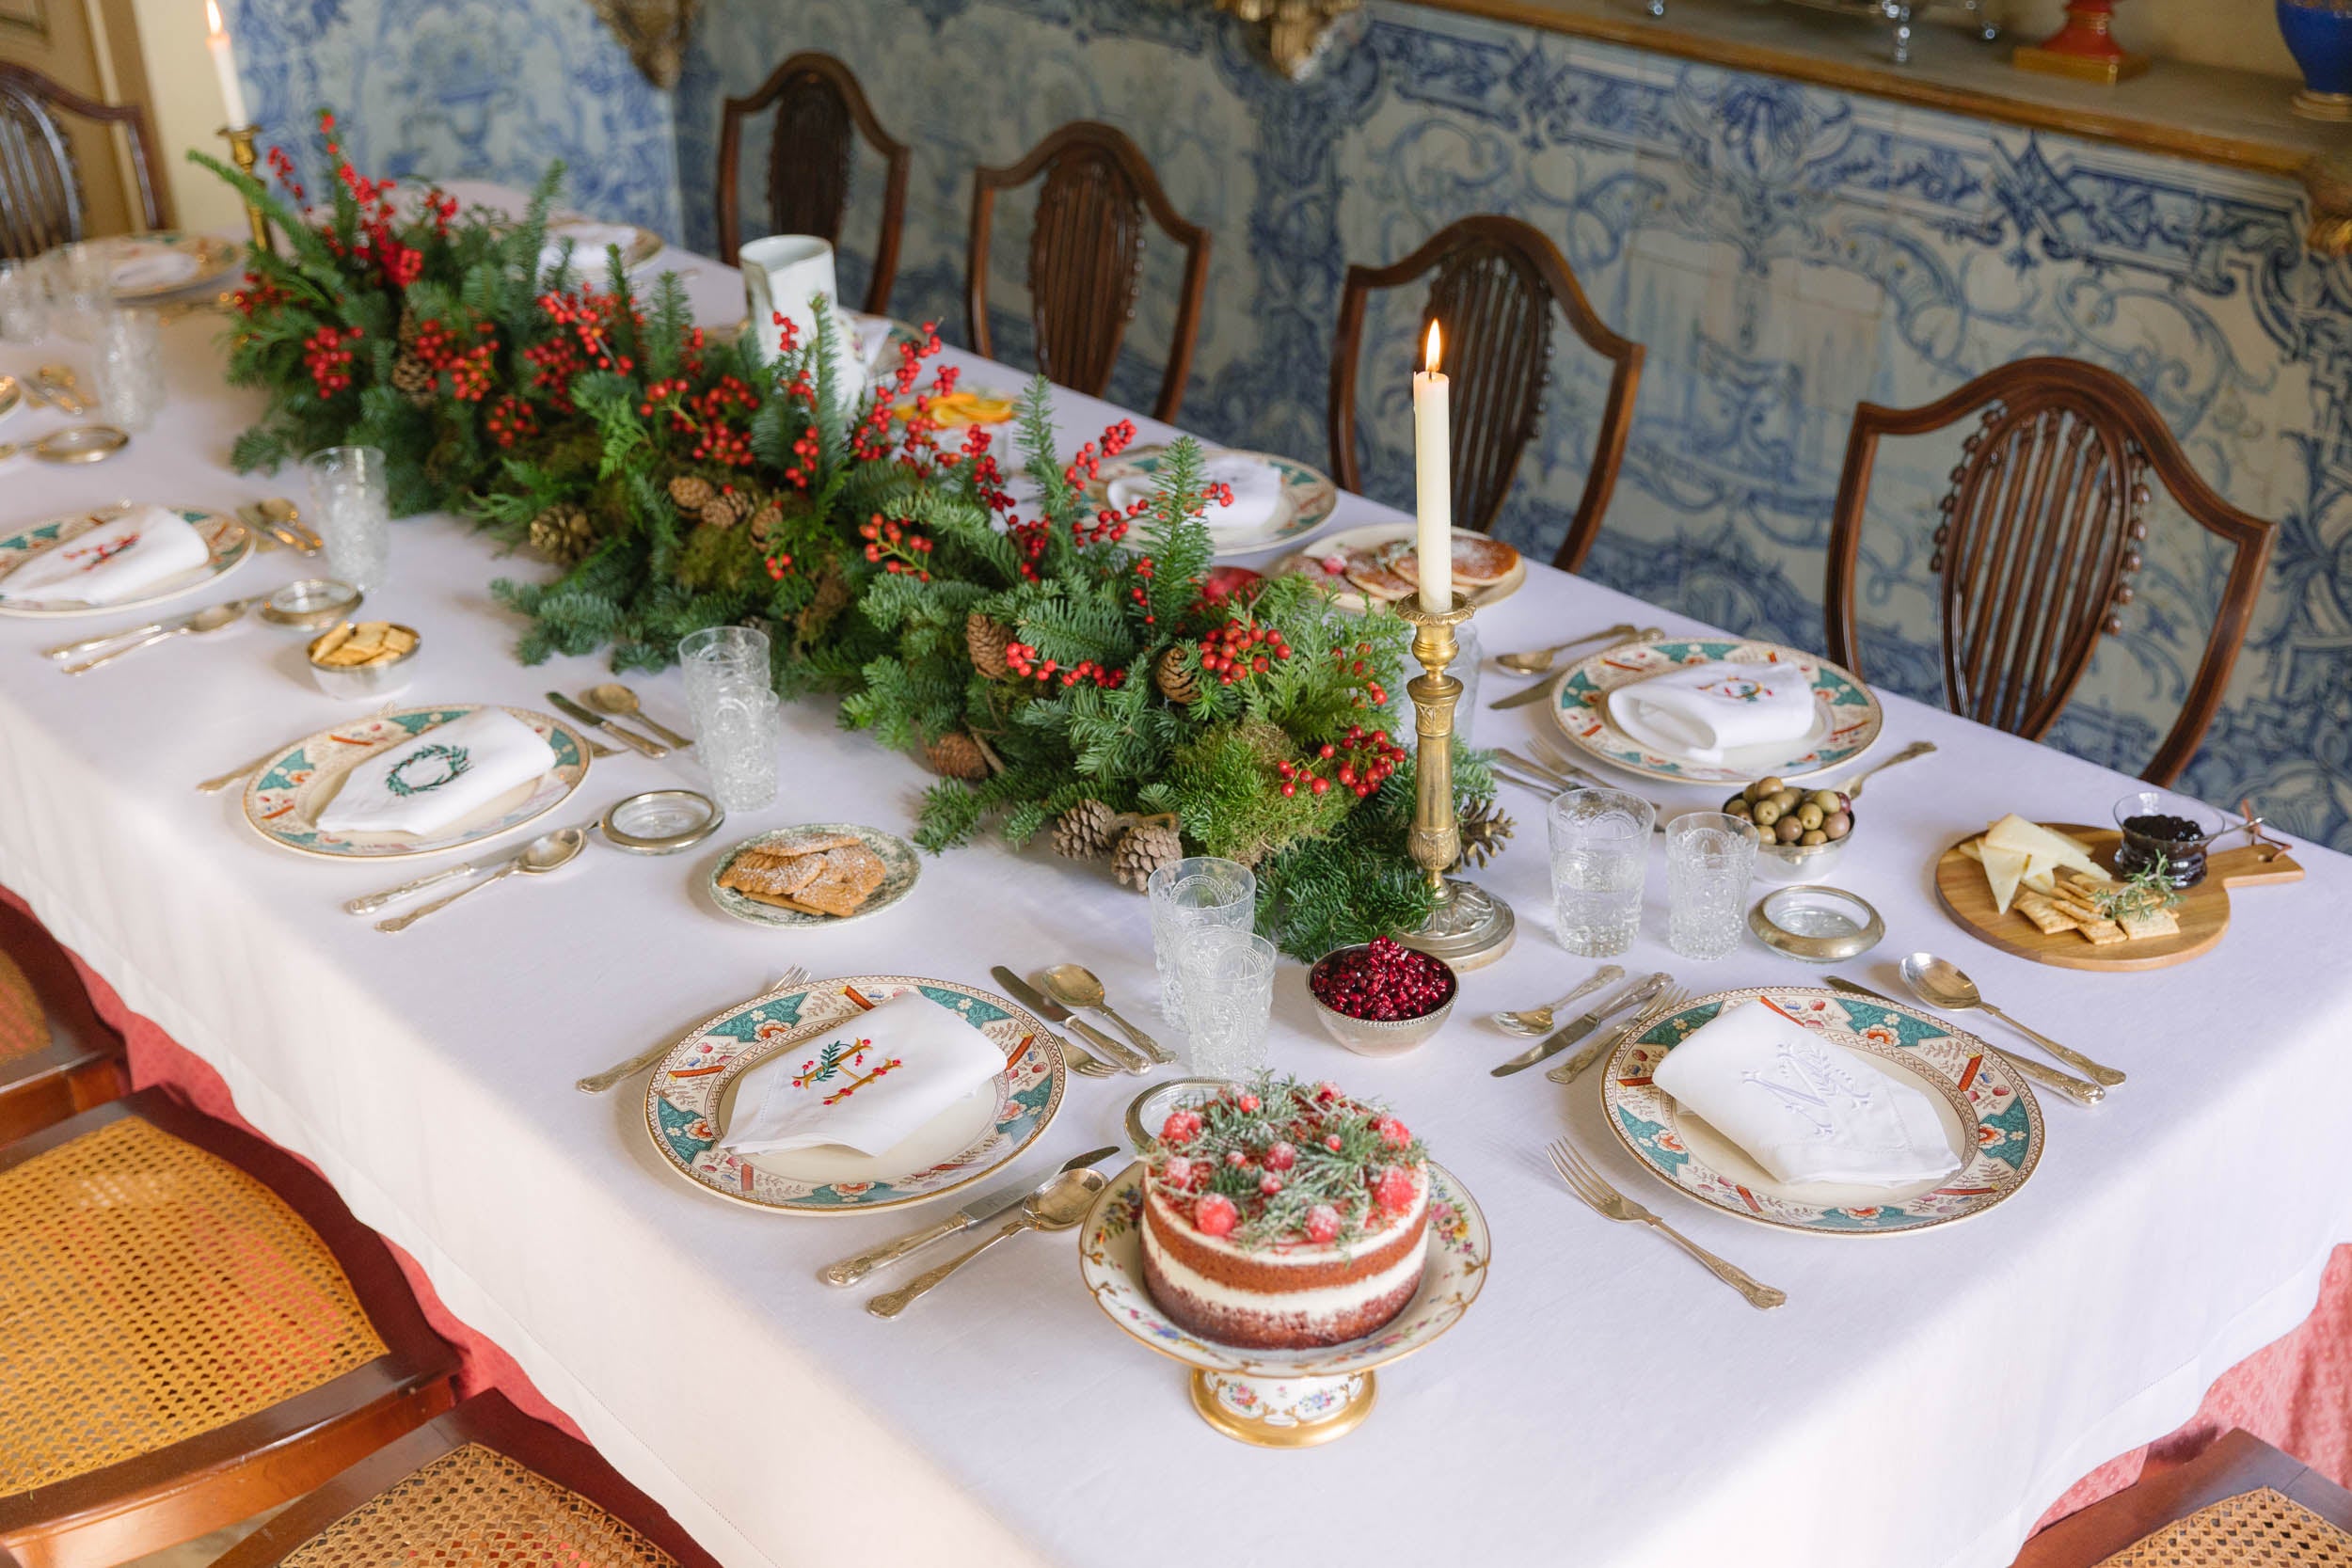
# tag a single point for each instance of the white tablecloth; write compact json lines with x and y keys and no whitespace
{"x":1917,"y":1403}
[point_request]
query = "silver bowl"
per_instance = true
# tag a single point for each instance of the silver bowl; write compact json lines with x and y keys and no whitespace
{"x":365,"y":680}
{"x":1369,"y":1036}
{"x":1800,"y":862}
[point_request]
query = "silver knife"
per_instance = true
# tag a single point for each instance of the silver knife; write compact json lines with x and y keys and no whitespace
{"x":1584,"y":1023}
{"x":1054,"y":1012}
{"x":2080,"y":1090}
{"x":987,"y":1209}
{"x":598,"y":720}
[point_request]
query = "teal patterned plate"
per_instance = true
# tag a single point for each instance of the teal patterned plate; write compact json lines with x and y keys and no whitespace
{"x":229,"y":540}
{"x":1848,"y":717}
{"x":688,"y":1101}
{"x":284,"y":798}
{"x":1988,"y":1111}
{"x":1309,"y":497}
{"x":900,"y":866}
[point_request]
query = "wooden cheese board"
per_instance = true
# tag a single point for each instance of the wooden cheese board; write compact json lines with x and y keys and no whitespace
{"x":2203,"y":912}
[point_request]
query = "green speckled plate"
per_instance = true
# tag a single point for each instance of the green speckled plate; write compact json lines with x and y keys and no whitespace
{"x":900,"y":866}
{"x":688,"y":1103}
{"x":1989,"y":1112}
{"x":1847,"y":715}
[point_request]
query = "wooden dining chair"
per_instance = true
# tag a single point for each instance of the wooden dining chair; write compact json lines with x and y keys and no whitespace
{"x":1086,"y":258}
{"x":817,"y":105}
{"x":58,"y":1056}
{"x":482,"y":1485}
{"x":2241,"y":1502}
{"x":40,"y":183}
{"x":2039,"y":536}
{"x":1497,"y":280}
{"x":194,"y":1330}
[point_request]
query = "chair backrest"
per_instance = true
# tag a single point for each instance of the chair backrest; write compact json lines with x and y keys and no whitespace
{"x":2039,"y":536}
{"x":818,"y":108}
{"x":1497,"y":281}
{"x":42,"y":204}
{"x":57,"y":1055}
{"x":1085,"y":257}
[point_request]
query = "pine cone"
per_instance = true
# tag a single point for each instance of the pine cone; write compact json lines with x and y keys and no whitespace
{"x":721,"y":512}
{"x":1177,"y":683}
{"x":1084,"y":833}
{"x":1143,"y":850}
{"x":988,"y":639}
{"x":413,"y":379}
{"x":957,"y":755}
{"x":562,"y":533}
{"x":1484,"y":829}
{"x":765,"y":522}
{"x":691,"y":491}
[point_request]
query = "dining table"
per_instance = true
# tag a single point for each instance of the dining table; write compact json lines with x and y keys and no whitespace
{"x":1919,"y":1401}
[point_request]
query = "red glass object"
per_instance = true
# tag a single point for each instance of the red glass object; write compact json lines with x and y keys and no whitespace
{"x":2084,"y":47}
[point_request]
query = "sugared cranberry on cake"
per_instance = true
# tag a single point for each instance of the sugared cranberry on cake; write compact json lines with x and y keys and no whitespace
{"x":1284,"y":1216}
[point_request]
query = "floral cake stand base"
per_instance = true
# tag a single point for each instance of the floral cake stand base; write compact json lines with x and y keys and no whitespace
{"x":1285,"y":1398}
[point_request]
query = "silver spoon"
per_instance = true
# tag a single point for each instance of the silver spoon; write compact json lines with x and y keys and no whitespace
{"x":1075,"y":986}
{"x":541,"y":855}
{"x":211,"y":618}
{"x":1852,"y":787}
{"x":1940,"y":984}
{"x":58,"y":385}
{"x":286,"y":514}
{"x":1537,"y":1020}
{"x":621,"y":702}
{"x":1059,"y":1202}
{"x":1540,"y":660}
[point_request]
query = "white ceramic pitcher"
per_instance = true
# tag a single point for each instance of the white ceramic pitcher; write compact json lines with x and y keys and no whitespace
{"x":787,"y":274}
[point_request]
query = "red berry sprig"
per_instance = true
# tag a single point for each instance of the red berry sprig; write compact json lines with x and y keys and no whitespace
{"x":1240,"y":649}
{"x":1022,"y":659}
{"x":1360,"y":762}
{"x":893,"y":545}
{"x":328,"y":361}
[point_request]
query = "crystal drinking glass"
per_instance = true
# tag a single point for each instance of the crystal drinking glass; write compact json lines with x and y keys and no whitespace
{"x":1227,"y":979}
{"x":1709,"y":858}
{"x":1599,"y":858}
{"x":736,"y":714}
{"x":80,"y":285}
{"x":351,"y":507}
{"x":1193,"y":893}
{"x":130,"y":368}
{"x":23,"y":301}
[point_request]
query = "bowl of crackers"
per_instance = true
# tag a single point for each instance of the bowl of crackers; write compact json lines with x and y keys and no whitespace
{"x":819,"y":874}
{"x":363,"y":658}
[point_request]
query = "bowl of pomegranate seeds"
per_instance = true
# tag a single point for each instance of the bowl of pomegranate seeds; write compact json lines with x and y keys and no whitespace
{"x":1380,"y":998}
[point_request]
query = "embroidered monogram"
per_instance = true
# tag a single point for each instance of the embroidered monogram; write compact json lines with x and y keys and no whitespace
{"x":1807,"y":1081}
{"x":830,"y":1062}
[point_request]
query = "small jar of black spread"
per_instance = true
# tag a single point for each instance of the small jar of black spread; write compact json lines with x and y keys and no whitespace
{"x":2157,"y":825}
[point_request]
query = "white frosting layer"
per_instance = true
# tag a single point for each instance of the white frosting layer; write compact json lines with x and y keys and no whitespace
{"x":1322,"y":1302}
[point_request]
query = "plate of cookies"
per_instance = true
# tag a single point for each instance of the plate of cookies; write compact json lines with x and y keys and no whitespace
{"x":818,"y":874}
{"x":1381,"y":564}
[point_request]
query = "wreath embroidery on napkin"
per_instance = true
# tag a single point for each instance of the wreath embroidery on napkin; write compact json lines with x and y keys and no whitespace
{"x":452,"y":760}
{"x":828,"y":1063}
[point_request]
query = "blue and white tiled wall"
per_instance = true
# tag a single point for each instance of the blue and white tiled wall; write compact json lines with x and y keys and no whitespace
{"x":1783,"y":252}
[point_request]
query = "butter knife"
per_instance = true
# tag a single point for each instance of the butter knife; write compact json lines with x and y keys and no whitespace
{"x":1584,"y":1023}
{"x":1535,"y":693}
{"x":1053,"y":1011}
{"x":2080,"y":1090}
{"x":598,"y":720}
{"x":987,"y":1209}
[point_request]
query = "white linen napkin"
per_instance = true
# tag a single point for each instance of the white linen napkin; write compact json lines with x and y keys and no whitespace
{"x":111,"y":563}
{"x":1803,"y":1110}
{"x":588,"y":241}
{"x":1256,"y":486}
{"x":440,"y":777}
{"x":151,"y":267}
{"x":867,"y":1084}
{"x":1700,"y":711}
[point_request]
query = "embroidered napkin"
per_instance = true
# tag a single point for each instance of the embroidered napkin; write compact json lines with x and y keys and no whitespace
{"x":1257,"y":488}
{"x":867,"y":1084}
{"x":151,"y":267}
{"x":587,"y":242}
{"x":440,"y":777}
{"x":1803,"y":1110}
{"x":1700,"y":711}
{"x":113,"y":562}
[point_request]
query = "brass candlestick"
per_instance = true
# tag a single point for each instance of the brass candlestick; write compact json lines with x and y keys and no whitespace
{"x":1468,"y":926}
{"x":241,"y":154}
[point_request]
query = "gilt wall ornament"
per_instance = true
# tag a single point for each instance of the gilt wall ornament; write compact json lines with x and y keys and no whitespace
{"x":654,"y":33}
{"x":1295,"y":31}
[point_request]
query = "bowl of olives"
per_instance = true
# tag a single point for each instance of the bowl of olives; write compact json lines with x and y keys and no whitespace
{"x":1798,"y":832}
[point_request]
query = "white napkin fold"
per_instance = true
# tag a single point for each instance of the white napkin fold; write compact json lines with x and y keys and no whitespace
{"x":1256,"y":486}
{"x":440,"y":777}
{"x":867,"y":1084}
{"x":1700,"y":711}
{"x":587,"y":242}
{"x":1804,"y":1110}
{"x":149,"y":265}
{"x":111,"y":563}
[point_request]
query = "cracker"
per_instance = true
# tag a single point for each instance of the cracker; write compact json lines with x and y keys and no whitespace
{"x":2047,"y":917}
{"x":2102,"y":933}
{"x":329,"y":641}
{"x":2154,"y":922}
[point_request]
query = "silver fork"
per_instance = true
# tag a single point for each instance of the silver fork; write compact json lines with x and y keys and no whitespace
{"x":1611,"y":1204}
{"x":597,"y":1083}
{"x":1083,"y":1064}
{"x":1661,"y":1005}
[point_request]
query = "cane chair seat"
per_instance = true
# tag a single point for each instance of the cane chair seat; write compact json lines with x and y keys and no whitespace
{"x":2239,"y":1504}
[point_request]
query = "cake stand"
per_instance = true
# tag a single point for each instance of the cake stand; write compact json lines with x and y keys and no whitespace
{"x":1285,"y":1398}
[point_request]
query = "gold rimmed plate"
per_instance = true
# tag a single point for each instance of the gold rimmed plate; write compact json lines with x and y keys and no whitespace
{"x":1846,"y":713}
{"x":1306,"y":503}
{"x":1325,"y":564}
{"x":148,"y":266}
{"x":228,"y":542}
{"x":1988,"y":1112}
{"x":693,"y":1095}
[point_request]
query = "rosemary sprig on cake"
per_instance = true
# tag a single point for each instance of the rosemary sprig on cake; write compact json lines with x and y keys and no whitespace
{"x":1282,"y":1160}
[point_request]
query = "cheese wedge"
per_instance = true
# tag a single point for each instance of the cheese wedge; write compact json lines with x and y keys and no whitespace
{"x":2046,"y":849}
{"x":2004,"y":869}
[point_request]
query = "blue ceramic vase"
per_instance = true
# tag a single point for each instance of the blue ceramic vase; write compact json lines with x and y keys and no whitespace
{"x":2319,"y":36}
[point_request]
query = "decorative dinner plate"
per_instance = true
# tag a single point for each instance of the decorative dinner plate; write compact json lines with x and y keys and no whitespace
{"x":900,"y":866}
{"x":284,"y":798}
{"x":1845,"y":713}
{"x":229,"y":540}
{"x":164,"y":264}
{"x":12,"y":395}
{"x":1988,"y":1112}
{"x":643,"y":245}
{"x":1308,"y":499}
{"x":1323,"y":564}
{"x":691,"y":1097}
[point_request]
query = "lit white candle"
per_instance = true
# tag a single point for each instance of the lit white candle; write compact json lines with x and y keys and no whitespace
{"x":224,"y":67}
{"x":1433,"y":472}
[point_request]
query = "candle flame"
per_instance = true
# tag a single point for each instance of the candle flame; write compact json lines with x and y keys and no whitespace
{"x":1429,"y":350}
{"x":212,"y":18}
